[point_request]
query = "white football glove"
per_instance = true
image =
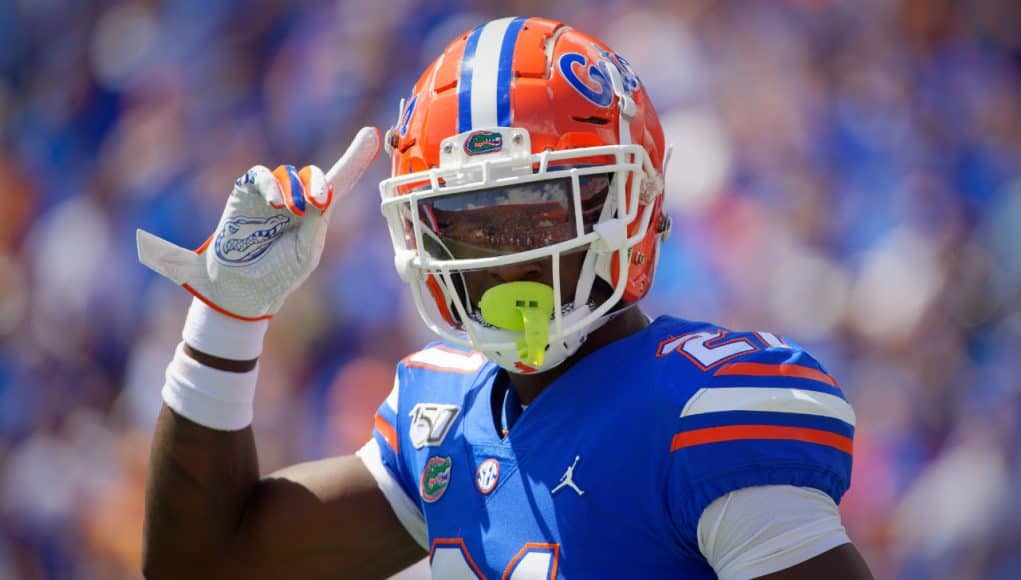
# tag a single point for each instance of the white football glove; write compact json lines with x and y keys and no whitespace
{"x":269,"y":238}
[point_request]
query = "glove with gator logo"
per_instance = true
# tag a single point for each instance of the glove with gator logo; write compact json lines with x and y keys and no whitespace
{"x":269,"y":238}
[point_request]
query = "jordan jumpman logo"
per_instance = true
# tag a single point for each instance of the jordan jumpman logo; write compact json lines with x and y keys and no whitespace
{"x":568,"y":479}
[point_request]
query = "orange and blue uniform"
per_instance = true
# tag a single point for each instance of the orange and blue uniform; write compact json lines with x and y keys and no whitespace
{"x":607,"y":471}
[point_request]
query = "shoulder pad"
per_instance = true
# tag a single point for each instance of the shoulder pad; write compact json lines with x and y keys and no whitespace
{"x":443,"y":358}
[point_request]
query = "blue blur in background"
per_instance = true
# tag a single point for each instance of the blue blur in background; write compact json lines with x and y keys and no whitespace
{"x":846,"y":174}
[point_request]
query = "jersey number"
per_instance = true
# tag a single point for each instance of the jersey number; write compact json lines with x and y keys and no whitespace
{"x":710,"y":348}
{"x":450,"y":559}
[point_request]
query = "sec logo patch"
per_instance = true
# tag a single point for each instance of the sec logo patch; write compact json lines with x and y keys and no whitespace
{"x":487,"y":476}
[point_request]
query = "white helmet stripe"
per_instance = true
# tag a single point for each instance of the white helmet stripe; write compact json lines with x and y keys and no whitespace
{"x":484,"y":84}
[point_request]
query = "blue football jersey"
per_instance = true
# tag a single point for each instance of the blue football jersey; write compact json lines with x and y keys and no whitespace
{"x":606,"y":473}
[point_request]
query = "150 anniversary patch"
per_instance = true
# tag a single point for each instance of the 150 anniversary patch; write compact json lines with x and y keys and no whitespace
{"x":430,"y":423}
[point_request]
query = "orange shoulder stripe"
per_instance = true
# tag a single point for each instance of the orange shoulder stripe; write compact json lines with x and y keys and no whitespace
{"x":768,"y":370}
{"x":386,"y":430}
{"x":740,"y":432}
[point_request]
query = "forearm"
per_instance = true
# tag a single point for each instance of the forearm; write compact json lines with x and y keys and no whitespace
{"x":841,"y":563}
{"x":210,"y":515}
{"x":199,"y":481}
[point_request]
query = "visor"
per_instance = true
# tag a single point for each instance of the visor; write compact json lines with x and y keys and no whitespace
{"x":506,"y":220}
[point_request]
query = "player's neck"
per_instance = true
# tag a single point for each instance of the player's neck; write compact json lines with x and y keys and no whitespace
{"x":627,"y":323}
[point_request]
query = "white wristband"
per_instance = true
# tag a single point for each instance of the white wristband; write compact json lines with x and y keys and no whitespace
{"x":211,"y":332}
{"x":210,"y":397}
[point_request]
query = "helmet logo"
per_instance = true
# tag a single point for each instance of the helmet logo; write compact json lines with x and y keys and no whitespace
{"x":406,"y":115}
{"x":603,"y":97}
{"x":631,"y":81}
{"x":481,"y":142}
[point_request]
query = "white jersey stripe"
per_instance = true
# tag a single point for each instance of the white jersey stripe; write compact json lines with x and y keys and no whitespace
{"x":783,"y":400}
{"x":393,"y":399}
{"x":404,"y":507}
{"x":443,"y":358}
{"x":485,"y":73}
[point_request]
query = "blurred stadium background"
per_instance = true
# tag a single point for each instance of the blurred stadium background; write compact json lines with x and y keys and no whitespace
{"x":845,"y":173}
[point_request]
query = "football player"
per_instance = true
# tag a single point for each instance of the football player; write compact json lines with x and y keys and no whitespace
{"x":554,"y":430}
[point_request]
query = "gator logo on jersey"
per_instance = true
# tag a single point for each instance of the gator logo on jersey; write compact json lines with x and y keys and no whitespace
{"x":430,"y":423}
{"x":243,"y":240}
{"x":483,"y":142}
{"x":435,"y":478}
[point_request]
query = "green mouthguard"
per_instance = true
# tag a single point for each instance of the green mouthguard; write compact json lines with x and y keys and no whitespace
{"x":523,"y":307}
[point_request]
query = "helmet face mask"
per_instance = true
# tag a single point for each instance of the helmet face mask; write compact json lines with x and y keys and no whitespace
{"x":493,"y":204}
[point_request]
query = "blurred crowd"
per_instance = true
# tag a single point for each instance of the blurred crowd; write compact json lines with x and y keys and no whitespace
{"x":845,"y":173}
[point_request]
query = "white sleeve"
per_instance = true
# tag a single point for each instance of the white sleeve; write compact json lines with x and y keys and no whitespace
{"x":404,"y":508}
{"x":759,"y":530}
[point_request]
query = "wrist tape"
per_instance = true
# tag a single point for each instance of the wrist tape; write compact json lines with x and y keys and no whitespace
{"x":212,"y":398}
{"x":220,"y":335}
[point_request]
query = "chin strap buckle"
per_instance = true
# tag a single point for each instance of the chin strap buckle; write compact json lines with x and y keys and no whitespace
{"x":402,"y":263}
{"x":612,"y":235}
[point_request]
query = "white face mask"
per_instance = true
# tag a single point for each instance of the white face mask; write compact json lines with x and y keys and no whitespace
{"x":511,"y":208}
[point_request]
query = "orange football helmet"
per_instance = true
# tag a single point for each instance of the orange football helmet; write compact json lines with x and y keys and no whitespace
{"x":525,"y":140}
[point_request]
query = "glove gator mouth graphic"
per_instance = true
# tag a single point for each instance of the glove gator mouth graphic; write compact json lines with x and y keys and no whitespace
{"x":243,"y":240}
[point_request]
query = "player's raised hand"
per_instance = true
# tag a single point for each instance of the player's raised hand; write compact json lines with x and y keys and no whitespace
{"x":269,"y":238}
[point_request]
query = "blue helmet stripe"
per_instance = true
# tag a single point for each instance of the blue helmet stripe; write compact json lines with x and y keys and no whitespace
{"x":464,"y":83}
{"x":506,"y":72}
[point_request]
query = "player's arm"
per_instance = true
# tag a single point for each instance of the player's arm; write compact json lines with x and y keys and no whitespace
{"x":841,"y":563}
{"x":208,"y":513}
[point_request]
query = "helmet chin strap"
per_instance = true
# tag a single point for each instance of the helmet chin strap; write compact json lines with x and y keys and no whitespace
{"x":521,"y":312}
{"x":558,"y":350}
{"x":523,"y":307}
